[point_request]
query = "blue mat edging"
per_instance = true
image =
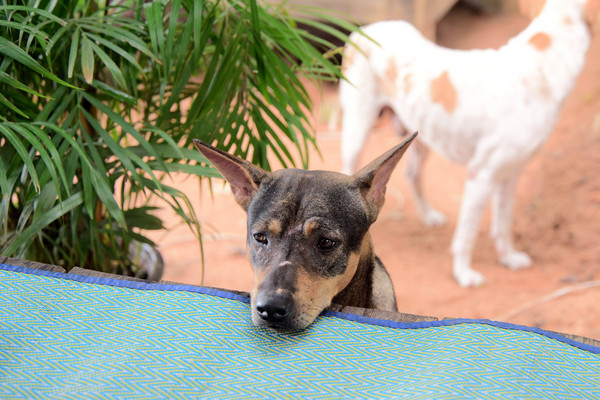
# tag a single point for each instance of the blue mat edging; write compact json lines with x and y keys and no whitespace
{"x":336,"y":314}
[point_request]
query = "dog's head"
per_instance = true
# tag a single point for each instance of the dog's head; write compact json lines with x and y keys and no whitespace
{"x":305,"y":231}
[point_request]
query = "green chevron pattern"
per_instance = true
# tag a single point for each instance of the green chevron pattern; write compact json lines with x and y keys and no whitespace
{"x":63,"y":339}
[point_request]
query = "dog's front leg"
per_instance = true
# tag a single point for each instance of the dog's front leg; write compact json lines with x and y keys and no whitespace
{"x":502,"y":213}
{"x":361,"y":104}
{"x":416,"y":158}
{"x":478,"y":190}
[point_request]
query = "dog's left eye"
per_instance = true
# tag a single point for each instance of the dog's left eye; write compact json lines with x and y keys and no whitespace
{"x":260,"y":238}
{"x":326,"y":244}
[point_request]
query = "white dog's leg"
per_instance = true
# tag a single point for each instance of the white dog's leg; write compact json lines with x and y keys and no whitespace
{"x":476,"y":195}
{"x":418,"y":154}
{"x":502,"y":212}
{"x":355,"y":127}
{"x":360,"y":111}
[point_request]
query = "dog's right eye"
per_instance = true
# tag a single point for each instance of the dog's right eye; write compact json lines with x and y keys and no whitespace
{"x":260,"y":238}
{"x":326,"y":244}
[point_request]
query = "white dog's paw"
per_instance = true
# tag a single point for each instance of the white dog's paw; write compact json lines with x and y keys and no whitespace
{"x":516,"y":260}
{"x":433,"y":218}
{"x":468,"y":277}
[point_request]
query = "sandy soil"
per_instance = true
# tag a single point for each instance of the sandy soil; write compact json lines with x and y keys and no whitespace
{"x":557,"y":216}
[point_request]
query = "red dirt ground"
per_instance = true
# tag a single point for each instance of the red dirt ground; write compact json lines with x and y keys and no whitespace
{"x":557,"y":216}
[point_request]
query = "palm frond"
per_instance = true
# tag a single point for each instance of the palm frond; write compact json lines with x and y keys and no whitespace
{"x":100,"y":104}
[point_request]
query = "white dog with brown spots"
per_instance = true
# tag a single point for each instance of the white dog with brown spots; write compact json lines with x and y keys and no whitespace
{"x":488,"y":109}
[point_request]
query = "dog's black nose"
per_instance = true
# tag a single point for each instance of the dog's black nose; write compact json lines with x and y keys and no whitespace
{"x":274,"y":308}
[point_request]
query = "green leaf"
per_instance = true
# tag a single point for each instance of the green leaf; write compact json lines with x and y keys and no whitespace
{"x":41,"y":150}
{"x":6,"y":103}
{"x":119,"y":34}
{"x":153,"y":16}
{"x":87,"y":59}
{"x":95,"y":174}
{"x":34,"y":229}
{"x":130,"y":57}
{"x":115,"y":93}
{"x":9,"y":80}
{"x":113,"y":68}
{"x":196,"y":170}
{"x":12,"y":138}
{"x":197,"y":19}
{"x":14,"y":52}
{"x":45,"y":201}
{"x":142,"y":218}
{"x":122,"y":154}
{"x":173,"y":23}
{"x":34,"y":10}
{"x":73,"y":52}
{"x":126,"y":126}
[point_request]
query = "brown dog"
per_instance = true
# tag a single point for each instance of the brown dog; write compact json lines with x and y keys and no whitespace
{"x":308,"y":239}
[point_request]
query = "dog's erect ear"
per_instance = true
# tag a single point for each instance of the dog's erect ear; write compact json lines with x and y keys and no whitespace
{"x":373,"y":178}
{"x":243,"y":176}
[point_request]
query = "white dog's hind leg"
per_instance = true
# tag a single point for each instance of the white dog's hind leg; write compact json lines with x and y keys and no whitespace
{"x":502,"y":213}
{"x":476,"y":195}
{"x":417,"y":156}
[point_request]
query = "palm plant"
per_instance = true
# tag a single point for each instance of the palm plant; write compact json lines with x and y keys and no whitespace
{"x":100,"y":101}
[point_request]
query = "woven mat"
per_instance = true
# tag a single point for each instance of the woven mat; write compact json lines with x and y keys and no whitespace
{"x":70,"y":336}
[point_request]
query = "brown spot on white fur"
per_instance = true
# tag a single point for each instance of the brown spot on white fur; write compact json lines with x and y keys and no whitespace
{"x":442,"y":91}
{"x":357,"y":47}
{"x":407,"y":83}
{"x":540,"y":41}
{"x":391,"y":72}
{"x":387,"y":82}
{"x":348,"y":60}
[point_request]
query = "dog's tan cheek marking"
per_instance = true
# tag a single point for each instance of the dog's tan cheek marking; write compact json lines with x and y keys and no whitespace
{"x":443,"y":92}
{"x":540,"y":41}
{"x":314,"y":293}
{"x":351,"y":267}
{"x":274,"y":227}
{"x":259,"y":274}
